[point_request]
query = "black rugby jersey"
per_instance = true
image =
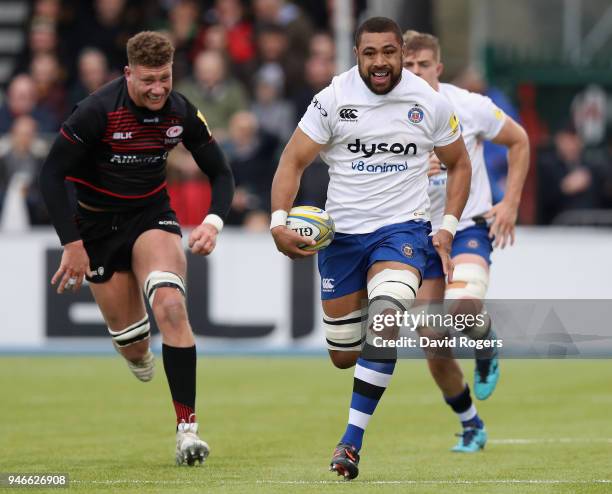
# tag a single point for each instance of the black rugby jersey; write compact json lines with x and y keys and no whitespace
{"x":126,"y":146}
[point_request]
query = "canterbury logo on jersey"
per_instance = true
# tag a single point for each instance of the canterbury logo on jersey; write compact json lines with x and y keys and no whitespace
{"x":348,"y":114}
{"x":383,"y":147}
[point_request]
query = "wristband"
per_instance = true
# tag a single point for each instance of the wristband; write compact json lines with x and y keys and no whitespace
{"x":449,"y":223}
{"x":214,"y":220}
{"x":279,"y":218}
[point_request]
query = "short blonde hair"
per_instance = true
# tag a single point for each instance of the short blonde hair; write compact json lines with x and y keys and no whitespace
{"x":416,"y":41}
{"x":150,"y":49}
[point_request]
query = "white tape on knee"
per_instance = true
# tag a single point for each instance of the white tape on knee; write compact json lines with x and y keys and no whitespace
{"x":476,"y":279}
{"x":133,"y":333}
{"x":345,"y":333}
{"x":397,"y":286}
{"x":160,"y":279}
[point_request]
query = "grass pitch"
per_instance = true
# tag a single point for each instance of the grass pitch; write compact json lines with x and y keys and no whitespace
{"x":272,"y":424}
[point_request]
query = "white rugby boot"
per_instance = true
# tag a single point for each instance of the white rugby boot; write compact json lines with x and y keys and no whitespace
{"x":189,"y":447}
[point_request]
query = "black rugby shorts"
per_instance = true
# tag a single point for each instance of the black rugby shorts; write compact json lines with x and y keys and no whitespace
{"x":109,"y":237}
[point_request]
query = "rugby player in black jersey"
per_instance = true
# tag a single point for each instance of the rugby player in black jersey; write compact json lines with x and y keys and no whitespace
{"x":124,"y":236}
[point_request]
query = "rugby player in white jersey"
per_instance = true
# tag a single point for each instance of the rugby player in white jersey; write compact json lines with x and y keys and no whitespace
{"x":375,"y":126}
{"x":480,"y":120}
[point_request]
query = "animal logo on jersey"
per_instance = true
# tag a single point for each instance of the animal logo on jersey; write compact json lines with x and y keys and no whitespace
{"x":348,"y":114}
{"x":416,"y":115}
{"x":175,"y":131}
{"x":407,"y":250}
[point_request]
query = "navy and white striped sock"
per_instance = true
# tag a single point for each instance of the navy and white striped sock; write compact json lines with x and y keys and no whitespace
{"x":463,"y":406}
{"x":370,"y":381}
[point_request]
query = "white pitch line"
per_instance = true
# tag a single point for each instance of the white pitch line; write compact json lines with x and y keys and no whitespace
{"x":556,"y":440}
{"x":319,"y":482}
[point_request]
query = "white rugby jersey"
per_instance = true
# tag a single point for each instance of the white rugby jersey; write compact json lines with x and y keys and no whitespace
{"x":377,"y":148}
{"x":480,"y":120}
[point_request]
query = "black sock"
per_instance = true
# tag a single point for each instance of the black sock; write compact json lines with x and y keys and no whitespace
{"x":180,"y":367}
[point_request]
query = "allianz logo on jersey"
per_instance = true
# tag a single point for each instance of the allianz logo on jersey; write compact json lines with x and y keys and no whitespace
{"x":137,"y":159}
{"x":381,"y":147}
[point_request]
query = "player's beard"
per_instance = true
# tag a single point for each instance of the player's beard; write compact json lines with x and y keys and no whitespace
{"x":395,"y":74}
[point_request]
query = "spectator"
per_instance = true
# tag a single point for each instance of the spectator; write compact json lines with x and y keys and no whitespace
{"x":229,"y":15}
{"x":319,"y":73}
{"x":274,"y":114}
{"x":42,"y":39}
{"x":22,"y":152}
{"x":47,"y":9}
{"x":216,"y":94}
{"x":290,"y":17}
{"x":567,"y":178}
{"x":183,"y":28}
{"x":252,"y":154}
{"x":93,"y":74}
{"x":107,"y":28}
{"x":51,"y":95}
{"x":272,"y":47}
{"x":322,"y":46}
{"x":21,"y":100}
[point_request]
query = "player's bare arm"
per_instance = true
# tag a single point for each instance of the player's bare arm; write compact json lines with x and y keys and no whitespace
{"x":459,"y":171}
{"x":212,"y":162}
{"x":504,"y":213}
{"x":299,"y":153}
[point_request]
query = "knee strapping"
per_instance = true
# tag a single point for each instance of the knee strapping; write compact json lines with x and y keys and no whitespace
{"x":476,"y":279}
{"x":160,"y":279}
{"x":394,"y":289}
{"x":134,"y":333}
{"x":345,"y":333}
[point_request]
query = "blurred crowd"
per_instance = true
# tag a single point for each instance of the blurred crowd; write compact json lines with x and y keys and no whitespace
{"x":252,"y":67}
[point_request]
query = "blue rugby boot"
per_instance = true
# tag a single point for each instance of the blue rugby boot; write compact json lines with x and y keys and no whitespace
{"x":486,"y":372}
{"x":471,"y":440}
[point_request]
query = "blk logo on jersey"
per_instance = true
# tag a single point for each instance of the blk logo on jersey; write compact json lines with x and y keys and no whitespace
{"x":382,"y":147}
{"x":122,"y":136}
{"x":348,"y":114}
{"x":415,"y":115}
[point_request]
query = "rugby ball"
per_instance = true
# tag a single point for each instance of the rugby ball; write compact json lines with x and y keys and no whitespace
{"x":313,"y":223}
